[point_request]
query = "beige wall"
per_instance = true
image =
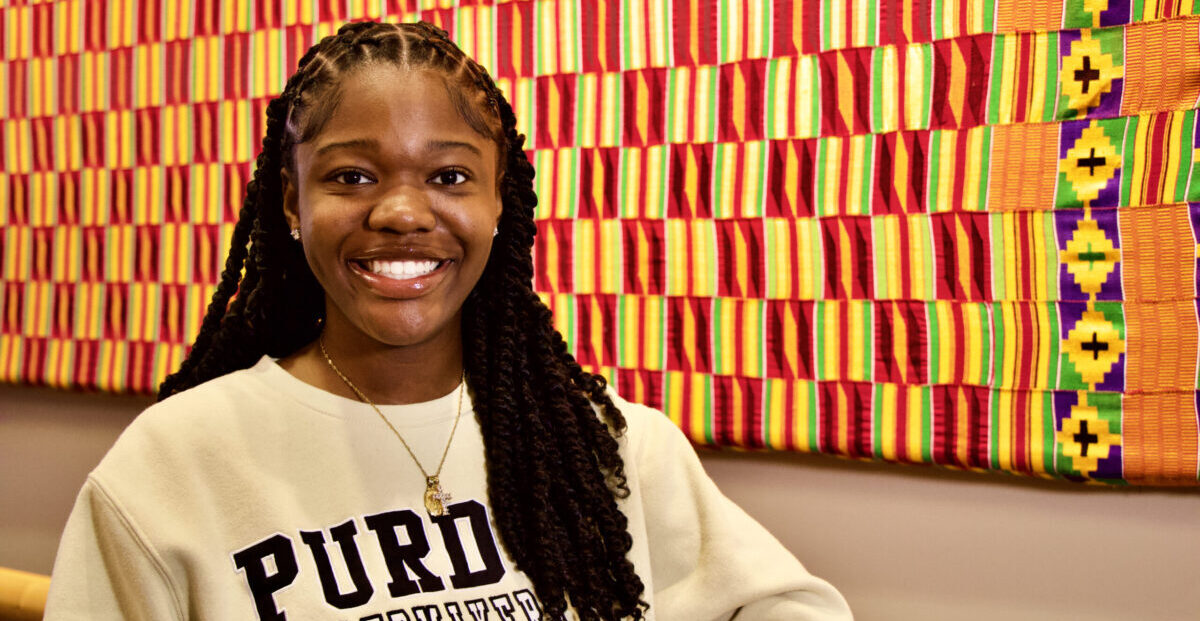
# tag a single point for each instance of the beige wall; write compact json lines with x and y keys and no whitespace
{"x":901,"y":543}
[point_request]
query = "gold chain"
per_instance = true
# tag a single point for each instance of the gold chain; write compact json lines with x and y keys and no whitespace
{"x":435,"y":496}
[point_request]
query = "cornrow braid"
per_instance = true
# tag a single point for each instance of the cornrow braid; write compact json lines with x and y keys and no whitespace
{"x":553,"y":468}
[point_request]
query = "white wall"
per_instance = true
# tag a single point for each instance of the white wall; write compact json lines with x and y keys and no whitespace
{"x":902,"y":543}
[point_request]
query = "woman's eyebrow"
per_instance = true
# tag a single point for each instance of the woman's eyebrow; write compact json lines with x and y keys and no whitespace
{"x":358,"y":143}
{"x":446,"y":145}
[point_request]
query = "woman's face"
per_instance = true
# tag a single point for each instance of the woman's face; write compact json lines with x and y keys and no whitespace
{"x":396,"y":200}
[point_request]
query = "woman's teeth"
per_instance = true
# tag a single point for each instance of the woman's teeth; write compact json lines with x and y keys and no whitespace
{"x":401,"y":269}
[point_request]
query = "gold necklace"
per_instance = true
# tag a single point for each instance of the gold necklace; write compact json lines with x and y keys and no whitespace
{"x":435,"y":496}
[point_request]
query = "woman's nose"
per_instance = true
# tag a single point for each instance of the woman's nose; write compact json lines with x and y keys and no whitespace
{"x":404,"y":209}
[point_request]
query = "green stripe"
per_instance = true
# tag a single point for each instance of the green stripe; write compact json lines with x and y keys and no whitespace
{"x":877,"y":422}
{"x":985,"y":322}
{"x":868,"y":331}
{"x":877,"y":57}
{"x":935,"y":331}
{"x":985,"y":164}
{"x":822,"y":162}
{"x":814,"y":442}
{"x":998,"y":321}
{"x":819,"y":311}
{"x":1127,"y":151}
{"x":1186,"y":138}
{"x":880,"y":256}
{"x":868,"y":177}
{"x":1052,"y":83}
{"x":773,"y":86}
{"x":931,"y":188}
{"x":1048,"y":439}
{"x":999,"y":257}
{"x":997,"y":78}
{"x":926,"y":424}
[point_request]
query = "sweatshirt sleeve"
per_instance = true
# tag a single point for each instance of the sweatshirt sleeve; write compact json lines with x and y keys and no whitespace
{"x":105,"y":569}
{"x":710,"y":560}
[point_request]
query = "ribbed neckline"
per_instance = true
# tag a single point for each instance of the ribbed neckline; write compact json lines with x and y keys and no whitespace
{"x":268,"y":371}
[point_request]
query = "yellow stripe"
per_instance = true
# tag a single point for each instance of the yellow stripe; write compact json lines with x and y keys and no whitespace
{"x":674,"y":386}
{"x":808,"y":235}
{"x":1004,"y":434}
{"x":961,"y":437}
{"x":726,"y":313}
{"x":889,"y":106}
{"x":704,"y":248}
{"x":1173,"y":149}
{"x":914,"y":88}
{"x":564,"y":189}
{"x":631,"y":166}
{"x":888,"y":415}
{"x":974,"y":167}
{"x":1008,"y":81}
{"x":913,"y":423}
{"x":610,"y":256}
{"x":843,"y":415}
{"x":803,"y":392}
{"x":652,"y":320}
{"x":677,"y":253}
{"x":776,"y":393}
{"x":791,"y":338}
{"x":894,"y":278}
{"x":655,"y":182}
{"x":1036,"y":441}
{"x":806,"y":124}
{"x":1009,"y":351}
{"x":779,"y":285}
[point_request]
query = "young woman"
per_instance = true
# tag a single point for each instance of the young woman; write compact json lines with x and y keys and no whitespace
{"x":378,"y":421}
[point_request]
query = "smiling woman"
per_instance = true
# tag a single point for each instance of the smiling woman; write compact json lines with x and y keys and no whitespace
{"x":385,"y":365}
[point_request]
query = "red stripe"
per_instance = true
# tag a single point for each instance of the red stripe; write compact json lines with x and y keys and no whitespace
{"x":1020,"y":431}
{"x":1024,"y":73}
{"x":1155,"y":160}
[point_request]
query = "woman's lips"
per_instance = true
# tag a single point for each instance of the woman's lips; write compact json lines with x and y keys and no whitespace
{"x":400,"y":278}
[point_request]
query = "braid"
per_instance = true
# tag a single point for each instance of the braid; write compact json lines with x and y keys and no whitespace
{"x":553,"y":468}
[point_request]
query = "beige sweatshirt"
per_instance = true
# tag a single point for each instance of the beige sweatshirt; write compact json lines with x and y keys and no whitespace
{"x":257,"y":496}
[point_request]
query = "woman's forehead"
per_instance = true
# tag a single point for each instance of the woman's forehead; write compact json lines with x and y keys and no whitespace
{"x":385,"y":105}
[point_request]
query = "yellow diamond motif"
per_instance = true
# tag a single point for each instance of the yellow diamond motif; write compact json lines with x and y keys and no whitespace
{"x":1090,"y":163}
{"x":1090,"y":256}
{"x":1094,"y":346}
{"x":1088,"y":73}
{"x":1085,"y":439}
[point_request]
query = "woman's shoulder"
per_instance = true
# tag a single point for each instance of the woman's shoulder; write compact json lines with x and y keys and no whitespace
{"x":180,"y":422}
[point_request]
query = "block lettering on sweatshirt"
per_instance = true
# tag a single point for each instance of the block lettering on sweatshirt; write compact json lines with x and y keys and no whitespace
{"x":476,"y":517}
{"x":401,"y":559}
{"x":263,"y":582}
{"x":343,"y":535}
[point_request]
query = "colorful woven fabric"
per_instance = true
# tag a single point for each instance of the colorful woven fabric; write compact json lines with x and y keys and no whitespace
{"x":924,"y":231}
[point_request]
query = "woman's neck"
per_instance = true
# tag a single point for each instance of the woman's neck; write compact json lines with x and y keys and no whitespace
{"x":384,"y":374}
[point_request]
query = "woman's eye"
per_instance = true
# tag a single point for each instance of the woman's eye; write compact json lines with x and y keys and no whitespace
{"x":450,"y":177}
{"x":351,"y":177}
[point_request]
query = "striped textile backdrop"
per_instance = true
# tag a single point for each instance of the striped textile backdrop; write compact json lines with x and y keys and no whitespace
{"x":920,"y":231}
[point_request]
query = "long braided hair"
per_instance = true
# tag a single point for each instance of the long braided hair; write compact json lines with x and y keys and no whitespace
{"x":553,"y":470}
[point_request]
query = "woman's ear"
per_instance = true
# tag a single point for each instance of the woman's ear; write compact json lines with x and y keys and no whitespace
{"x":291,"y":199}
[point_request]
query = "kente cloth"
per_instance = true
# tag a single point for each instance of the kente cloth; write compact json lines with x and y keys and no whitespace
{"x":921,"y":231}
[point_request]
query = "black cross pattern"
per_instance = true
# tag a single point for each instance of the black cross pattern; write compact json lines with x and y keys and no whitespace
{"x":1085,"y":439}
{"x":1092,"y":161}
{"x":1095,"y":346}
{"x":1087,"y":75}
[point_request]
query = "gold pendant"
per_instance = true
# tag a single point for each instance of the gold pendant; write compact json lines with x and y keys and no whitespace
{"x":435,"y":497}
